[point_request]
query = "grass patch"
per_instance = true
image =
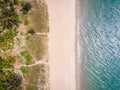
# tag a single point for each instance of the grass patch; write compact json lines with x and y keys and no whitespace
{"x":32,"y":75}
{"x":31,"y":87}
{"x":23,"y":53}
{"x":39,"y":17}
{"x":38,"y":46}
{"x":43,"y":75}
{"x":7,"y":40}
{"x":37,"y":75}
{"x":26,"y":22}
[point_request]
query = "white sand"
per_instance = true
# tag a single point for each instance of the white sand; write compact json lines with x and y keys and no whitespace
{"x":61,"y":44}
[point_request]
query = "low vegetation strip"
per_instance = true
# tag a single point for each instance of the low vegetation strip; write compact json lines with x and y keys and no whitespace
{"x":23,"y":45}
{"x":9,"y":22}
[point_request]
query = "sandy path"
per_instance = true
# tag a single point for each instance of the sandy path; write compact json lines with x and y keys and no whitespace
{"x":61,"y":44}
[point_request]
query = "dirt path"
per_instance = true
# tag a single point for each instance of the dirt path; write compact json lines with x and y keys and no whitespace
{"x":41,"y":33}
{"x":31,"y":65}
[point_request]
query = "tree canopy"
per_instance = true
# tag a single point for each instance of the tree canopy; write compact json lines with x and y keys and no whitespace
{"x":8,"y":15}
{"x":8,"y":79}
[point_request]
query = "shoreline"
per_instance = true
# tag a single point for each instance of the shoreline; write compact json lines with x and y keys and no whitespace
{"x":62,"y":44}
{"x":76,"y":45}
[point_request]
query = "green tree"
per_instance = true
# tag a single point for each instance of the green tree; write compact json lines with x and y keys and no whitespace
{"x":8,"y":19}
{"x":8,"y":79}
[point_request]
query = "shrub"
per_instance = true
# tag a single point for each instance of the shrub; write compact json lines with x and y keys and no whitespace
{"x":28,"y":37}
{"x":29,"y":58}
{"x":26,"y":6}
{"x":31,"y":31}
{"x":24,"y":69}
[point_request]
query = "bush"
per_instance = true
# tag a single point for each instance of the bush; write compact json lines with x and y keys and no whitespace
{"x":28,"y":37}
{"x":24,"y":69}
{"x":31,"y":31}
{"x":29,"y":58}
{"x":26,"y":6}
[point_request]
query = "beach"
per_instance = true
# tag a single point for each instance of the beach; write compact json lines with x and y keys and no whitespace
{"x":62,"y":44}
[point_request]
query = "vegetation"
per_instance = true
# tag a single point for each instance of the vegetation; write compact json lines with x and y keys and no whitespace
{"x":12,"y":13}
{"x":8,"y":17}
{"x":9,"y":22}
{"x":23,"y":53}
{"x":27,"y":56}
{"x":28,"y":37}
{"x":4,"y":3}
{"x":18,"y":41}
{"x":8,"y":79}
{"x":24,"y":69}
{"x":7,"y":40}
{"x":7,"y":64}
{"x":39,"y":17}
{"x":29,"y":59}
{"x":33,"y":78}
{"x":31,"y":31}
{"x":26,"y":22}
{"x":26,"y":6}
{"x":38,"y":47}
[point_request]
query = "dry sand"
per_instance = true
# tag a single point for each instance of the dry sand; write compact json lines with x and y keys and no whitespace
{"x":61,"y":44}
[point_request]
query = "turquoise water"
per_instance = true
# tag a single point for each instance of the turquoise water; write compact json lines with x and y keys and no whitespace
{"x":99,"y":39}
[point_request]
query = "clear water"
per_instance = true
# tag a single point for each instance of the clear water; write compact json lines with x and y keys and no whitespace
{"x":99,"y":39}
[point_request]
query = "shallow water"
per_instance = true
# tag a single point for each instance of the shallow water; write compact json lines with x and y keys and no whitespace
{"x":99,"y":42}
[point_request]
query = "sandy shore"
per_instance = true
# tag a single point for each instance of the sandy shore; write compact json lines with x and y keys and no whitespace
{"x":61,"y":44}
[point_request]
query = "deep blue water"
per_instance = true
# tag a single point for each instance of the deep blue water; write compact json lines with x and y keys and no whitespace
{"x":99,"y":39}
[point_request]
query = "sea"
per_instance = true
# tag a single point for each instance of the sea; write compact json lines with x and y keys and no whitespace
{"x":98,"y":27}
